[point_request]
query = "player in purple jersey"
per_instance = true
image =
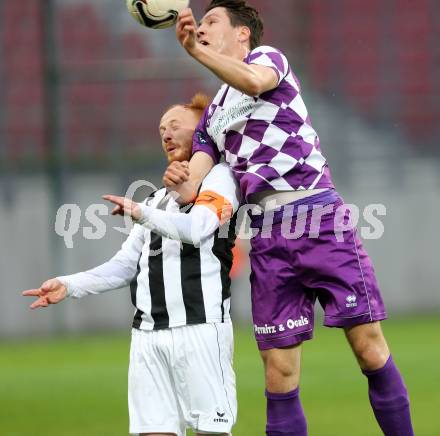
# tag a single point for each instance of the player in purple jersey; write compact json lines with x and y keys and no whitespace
{"x":260,"y":125}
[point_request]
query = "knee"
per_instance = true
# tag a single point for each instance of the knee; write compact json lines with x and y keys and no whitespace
{"x":277,"y":370}
{"x":282,"y":375}
{"x":371,"y":358}
{"x":370,"y":348}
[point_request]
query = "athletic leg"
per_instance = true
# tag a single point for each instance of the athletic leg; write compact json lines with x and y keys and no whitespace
{"x":283,"y":315}
{"x":343,"y":276}
{"x":369,"y":345}
{"x":387,"y":391}
{"x":282,"y":367}
{"x":285,"y":416}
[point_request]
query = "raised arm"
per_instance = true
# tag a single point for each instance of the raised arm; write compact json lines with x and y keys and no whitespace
{"x":216,"y":203}
{"x":191,"y":228}
{"x":252,"y":80}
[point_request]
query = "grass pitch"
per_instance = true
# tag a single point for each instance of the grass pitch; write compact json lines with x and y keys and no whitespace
{"x":77,"y":386}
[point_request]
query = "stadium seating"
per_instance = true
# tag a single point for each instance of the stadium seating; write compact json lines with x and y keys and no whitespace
{"x":378,"y":56}
{"x":22,"y":71}
{"x":342,"y":42}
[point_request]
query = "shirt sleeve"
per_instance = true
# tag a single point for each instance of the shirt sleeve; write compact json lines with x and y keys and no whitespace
{"x":221,"y":186}
{"x":272,"y":58}
{"x":191,"y":228}
{"x":203,"y":142}
{"x":117,"y":273}
{"x":218,"y":200}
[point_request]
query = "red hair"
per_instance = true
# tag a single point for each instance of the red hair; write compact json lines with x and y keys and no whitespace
{"x":198,"y":104}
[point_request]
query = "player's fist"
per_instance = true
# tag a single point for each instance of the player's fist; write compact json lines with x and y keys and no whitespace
{"x":186,"y":30}
{"x":50,"y":292}
{"x":176,"y":174}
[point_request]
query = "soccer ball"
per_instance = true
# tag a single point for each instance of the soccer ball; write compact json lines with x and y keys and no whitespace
{"x":156,"y":14}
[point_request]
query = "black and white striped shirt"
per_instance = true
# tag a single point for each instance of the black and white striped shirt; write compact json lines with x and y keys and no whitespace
{"x":172,"y":283}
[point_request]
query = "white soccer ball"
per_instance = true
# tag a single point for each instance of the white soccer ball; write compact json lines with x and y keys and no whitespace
{"x":156,"y":14}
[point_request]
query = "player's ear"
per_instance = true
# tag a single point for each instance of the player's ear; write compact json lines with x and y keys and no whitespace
{"x":244,"y":34}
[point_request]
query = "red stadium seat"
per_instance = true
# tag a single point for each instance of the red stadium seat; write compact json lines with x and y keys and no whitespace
{"x":416,"y":64}
{"x":83,"y":35}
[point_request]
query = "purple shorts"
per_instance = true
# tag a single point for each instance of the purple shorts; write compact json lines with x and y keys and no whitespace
{"x":299,"y":259}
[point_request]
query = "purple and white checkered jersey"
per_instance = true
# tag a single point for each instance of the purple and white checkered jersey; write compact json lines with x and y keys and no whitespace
{"x":268,"y":140}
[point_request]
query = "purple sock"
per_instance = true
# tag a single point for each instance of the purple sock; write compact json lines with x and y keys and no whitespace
{"x":285,"y":416}
{"x":389,"y":399}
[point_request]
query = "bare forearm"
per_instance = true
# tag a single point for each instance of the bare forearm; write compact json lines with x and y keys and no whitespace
{"x":186,"y":192}
{"x":234,"y":72}
{"x":252,"y":80}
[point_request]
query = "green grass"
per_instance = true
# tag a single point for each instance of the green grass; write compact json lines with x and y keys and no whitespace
{"x":77,"y":386}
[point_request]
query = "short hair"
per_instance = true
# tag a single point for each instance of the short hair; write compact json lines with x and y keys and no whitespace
{"x":198,"y":104}
{"x":242,"y":14}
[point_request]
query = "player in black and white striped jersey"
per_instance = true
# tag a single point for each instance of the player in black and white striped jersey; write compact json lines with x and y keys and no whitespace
{"x":191,"y":280}
{"x":177,"y":264}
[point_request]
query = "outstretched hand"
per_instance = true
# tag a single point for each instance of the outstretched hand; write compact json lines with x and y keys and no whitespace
{"x":50,"y":292}
{"x":186,"y":30}
{"x":124,"y":206}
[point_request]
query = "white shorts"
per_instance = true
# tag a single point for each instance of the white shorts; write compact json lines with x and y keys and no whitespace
{"x":182,"y":377}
